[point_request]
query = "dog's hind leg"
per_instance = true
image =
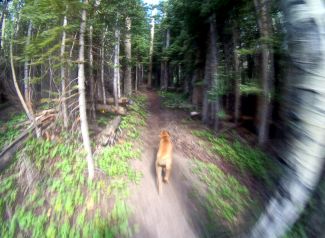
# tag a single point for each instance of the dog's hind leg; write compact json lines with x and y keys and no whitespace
{"x":167,"y":173}
{"x":159,"y":178}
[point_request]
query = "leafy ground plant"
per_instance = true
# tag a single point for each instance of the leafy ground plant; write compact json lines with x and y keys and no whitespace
{"x":225,"y":196}
{"x":52,"y":197}
{"x":9,"y":130}
{"x":247,"y":159}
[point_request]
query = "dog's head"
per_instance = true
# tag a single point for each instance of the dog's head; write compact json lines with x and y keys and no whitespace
{"x":164,"y":134}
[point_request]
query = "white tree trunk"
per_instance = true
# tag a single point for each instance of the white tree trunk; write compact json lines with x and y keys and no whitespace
{"x":305,"y":102}
{"x":63,"y":77}
{"x":116,"y":67}
{"x":27,"y":88}
{"x":102,"y":68}
{"x":128,"y":56}
{"x":82,"y":95}
{"x":28,"y":112}
{"x":3,"y":27}
{"x":91,"y":75}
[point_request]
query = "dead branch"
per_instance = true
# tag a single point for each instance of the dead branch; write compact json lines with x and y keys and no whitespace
{"x":8,"y":152}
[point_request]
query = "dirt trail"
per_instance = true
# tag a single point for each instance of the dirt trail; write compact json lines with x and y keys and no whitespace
{"x":171,"y":214}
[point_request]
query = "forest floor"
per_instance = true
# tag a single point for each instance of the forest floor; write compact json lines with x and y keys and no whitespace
{"x":187,"y":203}
{"x":216,"y":187}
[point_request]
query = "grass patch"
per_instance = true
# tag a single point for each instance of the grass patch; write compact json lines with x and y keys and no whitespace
{"x":174,"y":100}
{"x":247,"y":159}
{"x":225,"y":197}
{"x":62,"y":202}
{"x":9,"y":130}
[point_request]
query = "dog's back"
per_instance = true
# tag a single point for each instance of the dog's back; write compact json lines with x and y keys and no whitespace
{"x":164,"y":152}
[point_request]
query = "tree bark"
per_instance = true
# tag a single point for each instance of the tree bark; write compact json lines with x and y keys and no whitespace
{"x":3,"y":22}
{"x":136,"y":77}
{"x":304,"y":146}
{"x":63,"y":77}
{"x":128,"y":73}
{"x":207,"y":86}
{"x":211,"y":109}
{"x":27,"y":88}
{"x":235,"y":37}
{"x":82,"y":95}
{"x":102,"y":69}
{"x":91,"y":75}
{"x":214,"y":63}
{"x":28,"y":112}
{"x":265,"y":29}
{"x":116,"y":66}
{"x":152,"y":36}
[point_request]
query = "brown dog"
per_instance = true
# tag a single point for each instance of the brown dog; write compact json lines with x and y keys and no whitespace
{"x":164,"y":158}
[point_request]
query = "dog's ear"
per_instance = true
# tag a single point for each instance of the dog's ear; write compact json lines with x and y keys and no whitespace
{"x":168,"y":133}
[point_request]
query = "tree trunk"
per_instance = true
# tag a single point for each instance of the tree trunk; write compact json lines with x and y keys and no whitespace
{"x":82,"y":95}
{"x":235,"y":38}
{"x":136,"y":77}
{"x":116,"y":66}
{"x":63,"y":77}
{"x":152,"y":36}
{"x":91,"y":75}
{"x":304,"y":148}
{"x":28,"y":112}
{"x":3,"y":22}
{"x":102,"y":69}
{"x":265,"y":28}
{"x":70,"y":64}
{"x":142,"y":73}
{"x":207,"y":86}
{"x":27,"y":88}
{"x":211,"y":109}
{"x":166,"y":67}
{"x":162,"y":75}
{"x":128,"y":73}
{"x":214,"y":62}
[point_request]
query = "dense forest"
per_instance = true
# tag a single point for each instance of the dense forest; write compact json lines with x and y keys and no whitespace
{"x":86,"y":87}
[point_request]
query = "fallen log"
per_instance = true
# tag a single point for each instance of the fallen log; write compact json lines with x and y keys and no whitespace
{"x":122,"y":101}
{"x":8,"y":152}
{"x":109,"y":108}
{"x":107,"y":136}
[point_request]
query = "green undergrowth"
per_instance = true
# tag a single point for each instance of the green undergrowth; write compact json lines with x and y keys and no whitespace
{"x":46,"y":191}
{"x":103,"y":118}
{"x":225,"y":197}
{"x":244,"y":157}
{"x":174,"y":100}
{"x":9,"y":130}
{"x":137,"y":116}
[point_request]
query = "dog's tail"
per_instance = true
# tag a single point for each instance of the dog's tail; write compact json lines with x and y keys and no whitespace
{"x":159,"y":177}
